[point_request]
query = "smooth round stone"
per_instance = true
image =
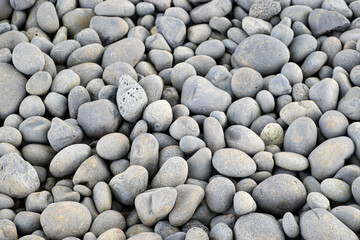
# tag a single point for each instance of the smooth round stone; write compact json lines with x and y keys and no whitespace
{"x":243,"y":111}
{"x":8,"y":230}
{"x":77,"y":20}
{"x":319,"y":223}
{"x":113,"y":233}
{"x":158,"y":115}
{"x":353,"y":132}
{"x":146,"y":235}
{"x":313,"y":63}
{"x":107,"y":220}
{"x":290,"y":194}
{"x":347,"y":59}
{"x":283,"y":33}
{"x":180,"y":73}
{"x":291,"y":161}
{"x":317,"y":200}
{"x":292,"y":72}
{"x":38,"y":154}
{"x":221,"y":231}
{"x":157,"y":41}
{"x":153,"y":86}
{"x":198,"y":33}
{"x":102,"y":197}
{"x":65,"y":219}
{"x":199,"y":165}
{"x":64,"y":81}
{"x":348,"y":173}
{"x":257,"y":225}
{"x":87,"y":36}
{"x":301,"y":136}
{"x":196,"y":233}
{"x":301,"y":47}
{"x":279,"y":85}
{"x":7,"y":148}
{"x":244,"y":203}
{"x":246,"y":82}
{"x":10,"y":135}
{"x":110,"y":29}
{"x":213,"y":134}
{"x":127,"y":185}
{"x":149,"y":213}
{"x":264,"y":161}
{"x":212,"y":48}
{"x":201,"y":63}
{"x":348,"y":215}
{"x":336,"y":190}
{"x":69,"y":159}
{"x":325,"y":94}
{"x":77,"y":96}
{"x":220,"y":77}
{"x":35,"y":129}
{"x":164,"y":229}
{"x":116,"y":8}
{"x":56,"y":104}
{"x":131,"y":98}
{"x":98,"y":118}
{"x":28,"y":58}
{"x":190,"y":144}
{"x":172,"y":173}
{"x":333,"y":124}
{"x":349,"y":104}
{"x":129,"y":50}
{"x":272,"y":134}
{"x":39,"y":83}
{"x":27,"y":222}
{"x":254,"y":26}
{"x":12,"y":85}
{"x":327,"y":158}
{"x":219,"y":189}
{"x":290,"y":225}
{"x":204,"y":12}
{"x":89,"y":53}
{"x":61,"y":51}
{"x":294,"y":110}
{"x":252,"y":53}
{"x":188,"y":199}
{"x":113,"y":146}
{"x":6,"y":201}
{"x":233,"y":163}
{"x":184,"y":126}
{"x":38,"y":201}
{"x":114,"y":71}
{"x":244,"y":139}
{"x":47,"y":17}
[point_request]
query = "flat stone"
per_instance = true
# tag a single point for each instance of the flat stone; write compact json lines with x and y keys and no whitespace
{"x":322,"y":21}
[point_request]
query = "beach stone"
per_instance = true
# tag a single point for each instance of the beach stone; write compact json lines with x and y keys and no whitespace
{"x":188,"y":199}
{"x":301,"y":47}
{"x":47,"y":17}
{"x":212,"y":48}
{"x":158,"y":115}
{"x":317,"y":200}
{"x":190,"y":144}
{"x":353,"y":132}
{"x":62,"y":50}
{"x":322,"y":21}
{"x":172,"y":173}
{"x":113,"y":233}
{"x":6,"y":201}
{"x":38,"y":201}
{"x":10,"y":135}
{"x":161,"y":5}
{"x":184,"y":126}
{"x":107,"y":220}
{"x":19,"y":178}
{"x":219,"y":188}
{"x":348,"y":215}
{"x":258,"y":225}
{"x":199,"y":101}
{"x":64,"y":81}
{"x":69,"y":159}
{"x":129,"y":50}
{"x":131,"y":98}
{"x":291,"y":161}
{"x":295,"y":110}
{"x":204,"y":12}
{"x":198,"y":33}
{"x":27,"y":222}
{"x":244,"y":203}
{"x":290,"y":225}
{"x":98,"y":118}
{"x":279,"y":85}
{"x":327,"y":158}
{"x":254,"y":26}
{"x":233,"y":163}
{"x":347,"y":59}
{"x":290,"y":194}
{"x":327,"y":225}
{"x":115,"y":8}
{"x":301,"y":136}
{"x":349,"y":104}
{"x":336,"y":190}
{"x":77,"y":96}
{"x":333,"y":124}
{"x":145,"y":152}
{"x":8,"y":230}
{"x":113,"y":146}
{"x":264,"y":9}
{"x":27,"y":58}
{"x":173,"y":30}
{"x":246,"y":82}
{"x":77,"y":20}
{"x":65,"y":219}
{"x":252,"y":53}
{"x":199,"y":165}
{"x":325,"y":94}
{"x":110,"y":29}
{"x":244,"y":139}
{"x":128,"y":184}
{"x":213,"y":134}
{"x":39,"y":83}
{"x":91,"y":171}
{"x":221,"y":231}
{"x":62,"y":134}
{"x":56,"y":104}
{"x":149,"y":213}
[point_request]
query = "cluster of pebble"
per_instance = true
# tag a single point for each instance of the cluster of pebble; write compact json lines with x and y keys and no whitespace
{"x":179,"y":119}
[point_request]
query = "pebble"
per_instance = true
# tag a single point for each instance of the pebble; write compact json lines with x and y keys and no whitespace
{"x":65,"y":219}
{"x":290,"y":194}
{"x":347,"y":108}
{"x":107,"y":220}
{"x":327,"y":225}
{"x":257,"y":225}
{"x":327,"y":158}
{"x":149,"y":213}
{"x":115,"y":8}
{"x":244,"y":203}
{"x":322,"y":21}
{"x":8,"y":230}
{"x":264,"y":9}
{"x":336,"y":190}
{"x":173,"y":30}
{"x":317,"y":200}
{"x":219,"y":189}
{"x":113,"y":146}
{"x":246,"y":82}
{"x":291,"y":161}
{"x":221,"y":231}
{"x":102,"y":197}
{"x":333,"y":124}
{"x":290,"y":225}
{"x":127,"y":185}
{"x":47,"y":18}
{"x":206,"y":11}
{"x":19,"y":174}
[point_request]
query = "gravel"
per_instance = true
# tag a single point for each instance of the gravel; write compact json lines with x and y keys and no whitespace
{"x":179,"y":119}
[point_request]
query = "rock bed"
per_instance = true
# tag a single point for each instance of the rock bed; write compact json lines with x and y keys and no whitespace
{"x":179,"y":119}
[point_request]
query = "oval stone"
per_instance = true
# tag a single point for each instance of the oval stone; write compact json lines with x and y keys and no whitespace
{"x":254,"y":52}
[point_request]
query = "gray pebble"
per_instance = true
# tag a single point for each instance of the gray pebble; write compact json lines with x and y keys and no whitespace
{"x":8,"y":229}
{"x":348,"y":215}
{"x":244,"y":203}
{"x":336,"y":190}
{"x":77,"y":20}
{"x":322,"y":21}
{"x":290,"y":194}
{"x":62,"y":134}
{"x":221,"y":231}
{"x":10,"y":135}
{"x":279,"y":85}
{"x":317,"y":200}
{"x":61,"y":51}
{"x":124,"y":192}
{"x":246,"y":82}
{"x":56,"y":104}
{"x":39,"y":83}
{"x":349,"y":104}
{"x":333,"y":124}
{"x":250,"y":111}
{"x":116,"y":8}
{"x":204,"y":12}
{"x":107,"y":220}
{"x":184,"y":126}
{"x":172,"y":173}
{"x":47,"y":17}
{"x":27,"y":222}
{"x":292,"y":72}
{"x":290,"y":225}
{"x":199,"y":165}
{"x":219,"y":189}
{"x":173,"y":30}
{"x":110,"y":29}
{"x":34,"y":129}
{"x":201,"y":63}
{"x":291,"y":161}
{"x":87,"y":36}
{"x":113,"y":146}
{"x":254,"y":26}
